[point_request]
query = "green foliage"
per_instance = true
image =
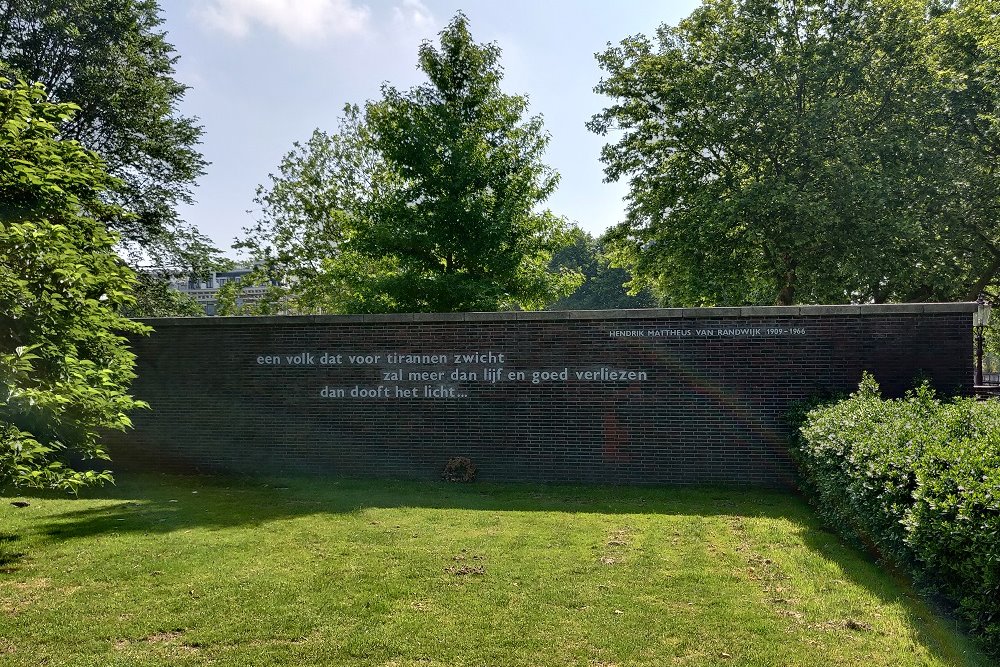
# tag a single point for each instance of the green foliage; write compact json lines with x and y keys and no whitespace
{"x":991,"y":347}
{"x":154,"y":297}
{"x":111,"y":59}
{"x":918,"y":481}
{"x":805,"y":151}
{"x":603,"y":285}
{"x":427,"y":201}
{"x":312,"y":207}
{"x":460,"y":226}
{"x":964,"y":48}
{"x":64,"y":368}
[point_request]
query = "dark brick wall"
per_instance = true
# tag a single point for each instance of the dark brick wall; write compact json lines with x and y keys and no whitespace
{"x":697,"y":409}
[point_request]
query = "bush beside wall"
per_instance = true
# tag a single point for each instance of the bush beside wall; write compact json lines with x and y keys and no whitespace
{"x":917,"y":481}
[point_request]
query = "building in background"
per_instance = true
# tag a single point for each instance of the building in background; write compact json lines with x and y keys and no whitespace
{"x":204,"y":289}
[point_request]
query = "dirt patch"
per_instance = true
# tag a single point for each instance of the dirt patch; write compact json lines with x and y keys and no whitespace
{"x":615,"y":544}
{"x":26,"y":593}
{"x":621,"y":537}
{"x":761,"y":569}
{"x":844,"y":624}
{"x":169,"y":640}
{"x":473,"y":564}
{"x":36,"y":584}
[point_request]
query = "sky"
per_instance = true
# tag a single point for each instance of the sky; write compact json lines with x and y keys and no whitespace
{"x":266,"y":73}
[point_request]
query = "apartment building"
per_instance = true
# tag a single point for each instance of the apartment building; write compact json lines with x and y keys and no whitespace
{"x":205,"y":289}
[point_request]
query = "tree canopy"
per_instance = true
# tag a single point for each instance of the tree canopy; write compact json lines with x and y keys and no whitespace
{"x":311,"y":208}
{"x":64,"y":366}
{"x":111,"y":59}
{"x":461,"y":224}
{"x":155,"y":297}
{"x":801,"y":151}
{"x":603,"y":286}
{"x":965,"y":57}
{"x":426,"y":200}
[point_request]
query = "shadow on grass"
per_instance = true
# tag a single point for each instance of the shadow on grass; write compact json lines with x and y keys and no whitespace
{"x":180,"y":502}
{"x":159,"y":504}
{"x":9,"y":556}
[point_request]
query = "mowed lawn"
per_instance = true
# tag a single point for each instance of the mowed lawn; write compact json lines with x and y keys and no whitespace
{"x":163,"y":570}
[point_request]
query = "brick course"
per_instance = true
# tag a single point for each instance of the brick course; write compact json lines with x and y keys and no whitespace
{"x":709,"y":409}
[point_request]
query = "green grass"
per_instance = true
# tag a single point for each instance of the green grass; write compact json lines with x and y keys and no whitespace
{"x":190,"y":571}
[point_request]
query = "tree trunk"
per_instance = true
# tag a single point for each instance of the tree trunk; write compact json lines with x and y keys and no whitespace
{"x":984,"y":280}
{"x":786,"y":295}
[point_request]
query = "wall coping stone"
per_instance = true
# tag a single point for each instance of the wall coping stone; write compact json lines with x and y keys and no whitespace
{"x":556,"y":315}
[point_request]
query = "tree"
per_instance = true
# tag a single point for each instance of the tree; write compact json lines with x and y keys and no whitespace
{"x":786,"y":152}
{"x":110,"y":58}
{"x":459,"y":228}
{"x":312,"y":207}
{"x":154,"y":297}
{"x":965,"y":57}
{"x":64,"y":366}
{"x":428,"y":200}
{"x":603,"y":286}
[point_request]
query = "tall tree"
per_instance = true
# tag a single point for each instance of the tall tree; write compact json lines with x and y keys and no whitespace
{"x":965,"y":56}
{"x":111,"y":59}
{"x":427,"y":200}
{"x":461,"y":227}
{"x":782,"y":152}
{"x":64,"y":366}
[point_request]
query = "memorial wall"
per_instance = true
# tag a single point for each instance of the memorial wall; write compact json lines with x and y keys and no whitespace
{"x":678,"y":396}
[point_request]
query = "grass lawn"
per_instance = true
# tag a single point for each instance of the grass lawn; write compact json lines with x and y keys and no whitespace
{"x":190,"y":571}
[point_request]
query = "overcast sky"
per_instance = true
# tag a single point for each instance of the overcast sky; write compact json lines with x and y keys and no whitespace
{"x":265,"y":73}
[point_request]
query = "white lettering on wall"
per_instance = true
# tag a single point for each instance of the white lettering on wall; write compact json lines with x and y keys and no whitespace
{"x":407,"y":375}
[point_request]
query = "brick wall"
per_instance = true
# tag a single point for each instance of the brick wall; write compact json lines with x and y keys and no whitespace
{"x":677,"y":396}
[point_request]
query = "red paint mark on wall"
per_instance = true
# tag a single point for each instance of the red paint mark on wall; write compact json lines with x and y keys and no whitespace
{"x":615,"y":439}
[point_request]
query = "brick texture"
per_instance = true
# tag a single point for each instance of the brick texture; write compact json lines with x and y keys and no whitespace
{"x":638,"y":397}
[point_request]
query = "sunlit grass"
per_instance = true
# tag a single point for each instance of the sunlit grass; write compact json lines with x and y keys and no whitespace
{"x":190,"y":571}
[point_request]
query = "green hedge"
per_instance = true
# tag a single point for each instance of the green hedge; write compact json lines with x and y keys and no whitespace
{"x":917,"y":480}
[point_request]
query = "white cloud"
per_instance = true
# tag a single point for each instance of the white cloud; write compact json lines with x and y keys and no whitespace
{"x":413,"y":16}
{"x":299,"y":21}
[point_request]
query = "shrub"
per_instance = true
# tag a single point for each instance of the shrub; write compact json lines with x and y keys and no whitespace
{"x":916,"y":480}
{"x":953,"y":525}
{"x":460,"y":469}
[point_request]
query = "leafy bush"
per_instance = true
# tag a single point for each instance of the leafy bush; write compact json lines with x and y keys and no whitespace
{"x":917,"y":480}
{"x":460,"y":469}
{"x":64,"y":364}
